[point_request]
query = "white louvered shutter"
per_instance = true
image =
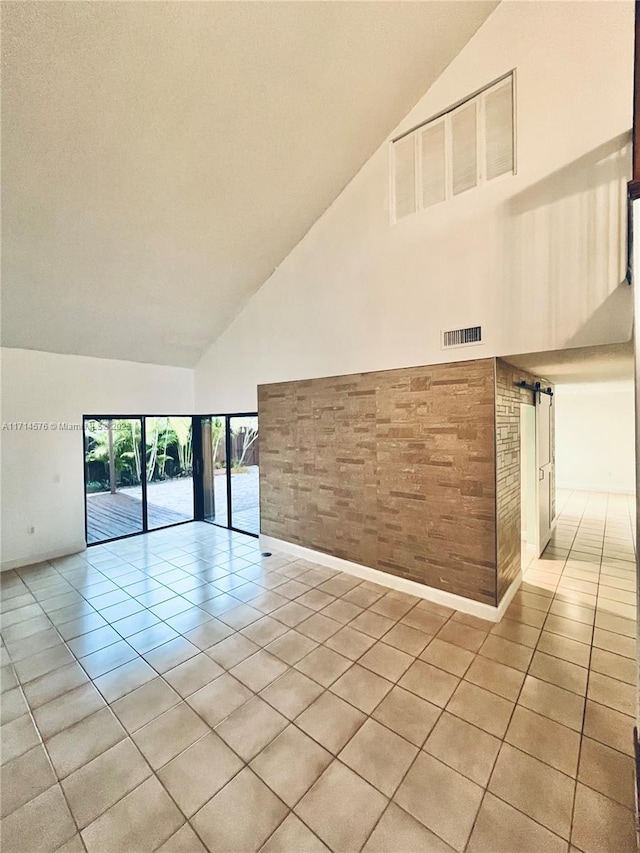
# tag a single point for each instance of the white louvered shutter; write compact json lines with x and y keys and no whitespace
{"x":498,"y":110}
{"x":464,"y":153}
{"x":432,"y":161}
{"x":404,"y":176}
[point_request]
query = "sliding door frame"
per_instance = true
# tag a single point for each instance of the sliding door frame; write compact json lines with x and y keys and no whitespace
{"x":227,"y":440}
{"x":197,"y":472}
{"x":143,"y":479}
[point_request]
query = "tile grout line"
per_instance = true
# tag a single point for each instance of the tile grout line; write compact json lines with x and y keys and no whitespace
{"x":503,"y":741}
{"x":584,"y":710}
{"x":417,"y":755}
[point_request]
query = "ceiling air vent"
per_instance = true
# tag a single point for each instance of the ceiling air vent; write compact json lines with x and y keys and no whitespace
{"x":462,"y":337}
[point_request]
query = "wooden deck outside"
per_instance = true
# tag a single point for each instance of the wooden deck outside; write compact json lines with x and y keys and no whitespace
{"x":169,"y":502}
{"x":110,"y":515}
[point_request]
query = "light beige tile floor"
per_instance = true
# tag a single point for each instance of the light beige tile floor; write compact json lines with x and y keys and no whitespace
{"x":179,"y":692}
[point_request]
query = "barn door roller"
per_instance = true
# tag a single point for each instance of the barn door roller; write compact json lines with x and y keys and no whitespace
{"x":536,"y":389}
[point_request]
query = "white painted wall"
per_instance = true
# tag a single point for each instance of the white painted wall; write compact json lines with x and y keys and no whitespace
{"x":46,"y":387}
{"x":536,"y":258}
{"x":595,"y":436}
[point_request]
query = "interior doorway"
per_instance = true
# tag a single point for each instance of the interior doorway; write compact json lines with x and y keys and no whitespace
{"x":591,"y":430}
{"x":537,"y":472}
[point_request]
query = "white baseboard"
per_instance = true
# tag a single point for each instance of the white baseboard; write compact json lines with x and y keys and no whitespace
{"x":32,"y":559}
{"x":507,"y":598}
{"x":438,"y":596}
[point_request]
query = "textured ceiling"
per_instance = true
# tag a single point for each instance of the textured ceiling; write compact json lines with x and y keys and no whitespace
{"x":161,"y":159}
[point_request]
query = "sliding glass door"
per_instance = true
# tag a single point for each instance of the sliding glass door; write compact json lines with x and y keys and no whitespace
{"x":245,"y":496}
{"x":146,"y":472}
{"x":138,"y":474}
{"x":230,"y":471}
{"x":214,"y":470}
{"x":113,"y":478}
{"x":169,"y":470}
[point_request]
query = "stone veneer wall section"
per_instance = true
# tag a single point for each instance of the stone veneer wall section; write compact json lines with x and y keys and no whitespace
{"x":508,"y":488}
{"x":395,"y":470}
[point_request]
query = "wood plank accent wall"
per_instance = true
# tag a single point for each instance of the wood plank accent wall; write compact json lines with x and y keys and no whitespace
{"x":508,"y":488}
{"x":395,"y":470}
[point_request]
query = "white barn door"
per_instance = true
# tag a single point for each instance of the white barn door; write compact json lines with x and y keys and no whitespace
{"x":545,"y":462}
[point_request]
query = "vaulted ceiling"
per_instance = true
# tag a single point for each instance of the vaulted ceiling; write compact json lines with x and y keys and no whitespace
{"x":159,"y":160}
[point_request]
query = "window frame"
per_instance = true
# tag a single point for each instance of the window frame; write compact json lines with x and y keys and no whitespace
{"x":445,"y":116}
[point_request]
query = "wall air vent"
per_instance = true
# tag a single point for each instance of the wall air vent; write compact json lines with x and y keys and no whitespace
{"x":470,"y":336}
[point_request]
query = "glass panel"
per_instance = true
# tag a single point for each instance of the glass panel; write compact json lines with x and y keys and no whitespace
{"x":169,"y":456}
{"x":214,"y":469}
{"x":113,"y":464}
{"x":245,"y":500}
